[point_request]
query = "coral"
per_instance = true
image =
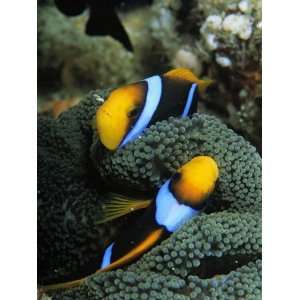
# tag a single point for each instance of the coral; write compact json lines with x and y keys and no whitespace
{"x":189,"y":265}
{"x":68,"y":194}
{"x":162,"y":29}
{"x":231,"y":38}
{"x":147,"y":162}
{"x":220,"y":39}
{"x":186,"y":59}
{"x":210,"y":29}
{"x":248,"y":119}
{"x":231,"y":29}
{"x":74,"y":61}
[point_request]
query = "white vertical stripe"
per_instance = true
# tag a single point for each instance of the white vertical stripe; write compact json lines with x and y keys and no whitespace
{"x":151,"y":103}
{"x":169,"y":212}
{"x":189,"y":100}
{"x":107,"y":256}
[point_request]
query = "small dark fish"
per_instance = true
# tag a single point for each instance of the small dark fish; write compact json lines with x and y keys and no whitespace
{"x":103,"y":19}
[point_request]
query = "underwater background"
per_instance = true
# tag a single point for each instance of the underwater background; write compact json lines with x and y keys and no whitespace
{"x":214,"y":256}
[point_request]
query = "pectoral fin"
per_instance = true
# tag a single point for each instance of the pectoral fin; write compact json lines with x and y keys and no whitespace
{"x":117,"y":205}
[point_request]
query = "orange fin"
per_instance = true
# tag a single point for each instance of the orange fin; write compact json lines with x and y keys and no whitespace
{"x":141,"y":248}
{"x":138,"y":250}
{"x":63,"y":285}
{"x":186,"y":74}
{"x":117,"y":205}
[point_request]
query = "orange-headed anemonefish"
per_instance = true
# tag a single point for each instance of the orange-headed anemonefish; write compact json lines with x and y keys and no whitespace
{"x":130,"y":109}
{"x":178,"y":200}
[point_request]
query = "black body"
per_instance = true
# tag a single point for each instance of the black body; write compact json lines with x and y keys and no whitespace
{"x":129,"y":238}
{"x":103,"y":19}
{"x":173,"y":99}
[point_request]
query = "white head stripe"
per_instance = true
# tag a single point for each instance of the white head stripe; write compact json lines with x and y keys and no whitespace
{"x":107,"y":256}
{"x":189,"y":100}
{"x":169,"y":213}
{"x":151,"y":103}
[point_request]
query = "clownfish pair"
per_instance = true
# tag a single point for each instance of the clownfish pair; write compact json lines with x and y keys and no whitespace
{"x":179,"y":199}
{"x":134,"y":107}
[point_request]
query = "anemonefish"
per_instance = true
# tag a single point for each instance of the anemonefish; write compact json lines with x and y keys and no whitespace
{"x":130,"y":109}
{"x":179,"y":199}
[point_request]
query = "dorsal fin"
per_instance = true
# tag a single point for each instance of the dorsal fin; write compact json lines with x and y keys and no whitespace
{"x":186,"y":74}
{"x":182,"y":73}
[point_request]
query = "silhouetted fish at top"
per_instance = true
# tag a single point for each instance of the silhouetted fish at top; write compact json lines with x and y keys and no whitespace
{"x":103,"y":20}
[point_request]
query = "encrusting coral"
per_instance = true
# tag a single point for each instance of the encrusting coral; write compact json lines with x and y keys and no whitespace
{"x":220,"y":39}
{"x":70,"y":58}
{"x":214,"y":256}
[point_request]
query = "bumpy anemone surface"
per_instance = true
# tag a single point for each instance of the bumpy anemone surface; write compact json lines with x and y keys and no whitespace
{"x":68,"y":194}
{"x":215,"y":256}
{"x":151,"y":159}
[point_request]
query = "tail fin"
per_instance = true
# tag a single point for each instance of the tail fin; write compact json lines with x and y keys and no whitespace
{"x":105,"y":21}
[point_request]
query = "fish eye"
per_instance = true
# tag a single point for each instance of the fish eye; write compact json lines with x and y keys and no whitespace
{"x":133,"y":113}
{"x":176,"y":176}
